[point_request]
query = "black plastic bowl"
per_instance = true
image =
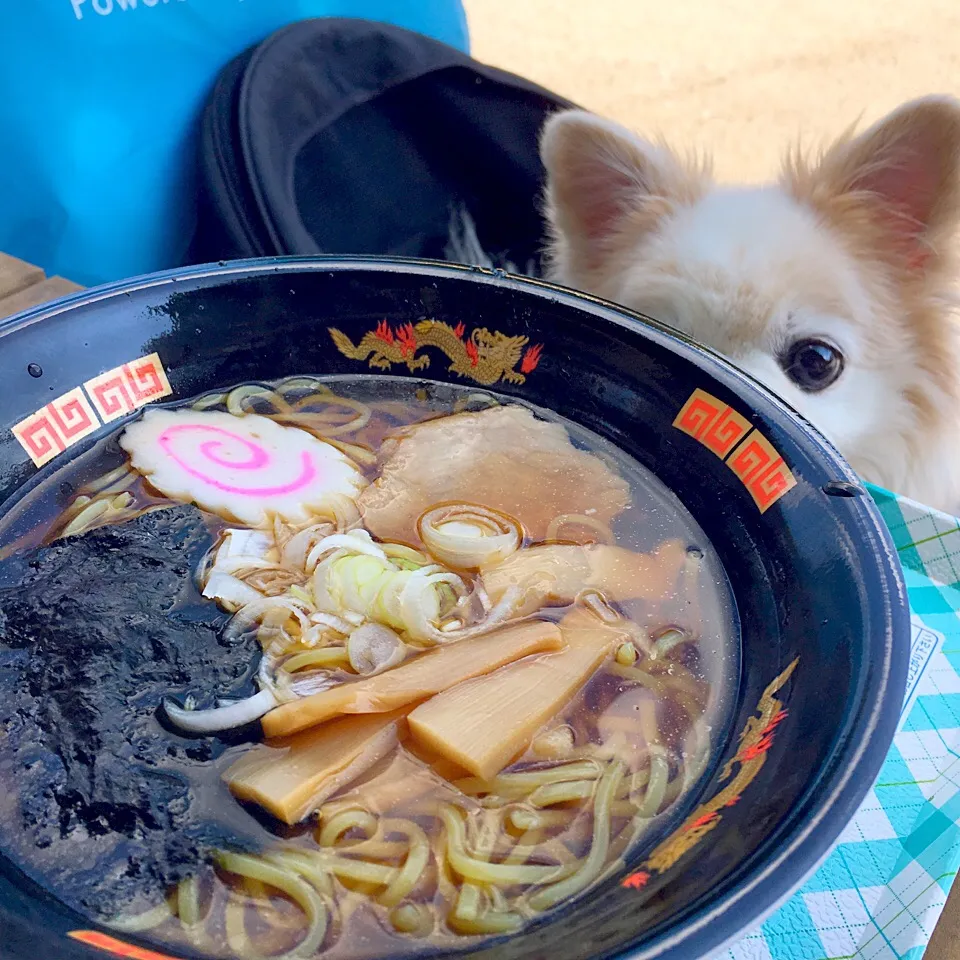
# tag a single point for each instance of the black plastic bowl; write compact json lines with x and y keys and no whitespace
{"x":825,"y":625}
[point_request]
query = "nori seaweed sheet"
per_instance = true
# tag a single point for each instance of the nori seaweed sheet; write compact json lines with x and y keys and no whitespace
{"x":98,"y":800}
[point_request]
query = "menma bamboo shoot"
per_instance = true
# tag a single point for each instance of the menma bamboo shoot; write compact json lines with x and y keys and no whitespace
{"x":555,"y":573}
{"x":292,"y":777}
{"x":416,"y":679}
{"x":484,"y":724}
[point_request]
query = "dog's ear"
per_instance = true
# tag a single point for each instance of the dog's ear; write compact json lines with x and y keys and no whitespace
{"x":899,"y":180}
{"x":602,"y":182}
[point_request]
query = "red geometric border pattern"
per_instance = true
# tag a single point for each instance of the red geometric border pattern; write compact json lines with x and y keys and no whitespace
{"x":124,"y":389}
{"x":762,"y":470}
{"x":746,"y":452}
{"x":718,"y":427}
{"x":68,"y":419}
{"x":61,"y":423}
{"x":118,"y":948}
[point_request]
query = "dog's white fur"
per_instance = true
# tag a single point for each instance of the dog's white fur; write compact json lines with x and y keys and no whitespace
{"x":854,"y":248}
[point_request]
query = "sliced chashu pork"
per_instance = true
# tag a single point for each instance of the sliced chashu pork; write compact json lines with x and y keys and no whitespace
{"x":504,"y":458}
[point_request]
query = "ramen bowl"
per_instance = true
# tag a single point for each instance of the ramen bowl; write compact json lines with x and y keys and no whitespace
{"x":822,"y":608}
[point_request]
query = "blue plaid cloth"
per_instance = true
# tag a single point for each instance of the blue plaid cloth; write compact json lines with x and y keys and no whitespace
{"x":881,"y":892}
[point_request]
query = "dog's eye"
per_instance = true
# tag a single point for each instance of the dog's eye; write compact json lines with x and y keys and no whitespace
{"x":812,"y":364}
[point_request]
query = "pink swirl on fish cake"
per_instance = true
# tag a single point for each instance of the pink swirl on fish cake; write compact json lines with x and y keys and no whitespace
{"x":258,"y":458}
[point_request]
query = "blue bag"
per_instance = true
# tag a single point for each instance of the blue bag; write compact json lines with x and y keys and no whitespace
{"x":99,"y":111}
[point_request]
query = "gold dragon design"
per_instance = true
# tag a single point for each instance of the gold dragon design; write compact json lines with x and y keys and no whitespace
{"x":484,"y":357}
{"x":755,"y":740}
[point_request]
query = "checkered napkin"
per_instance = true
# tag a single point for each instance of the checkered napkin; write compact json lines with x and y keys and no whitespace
{"x":881,"y":892}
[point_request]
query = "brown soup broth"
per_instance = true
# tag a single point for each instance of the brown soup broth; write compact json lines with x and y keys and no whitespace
{"x":660,"y":727}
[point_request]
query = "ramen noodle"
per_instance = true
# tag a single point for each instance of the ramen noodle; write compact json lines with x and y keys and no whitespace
{"x":400,"y":665}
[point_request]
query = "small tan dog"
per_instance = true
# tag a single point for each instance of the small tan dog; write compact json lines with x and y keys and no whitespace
{"x":834,"y":286}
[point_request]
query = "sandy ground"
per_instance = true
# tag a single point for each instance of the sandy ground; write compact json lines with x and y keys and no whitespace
{"x":738,"y":78}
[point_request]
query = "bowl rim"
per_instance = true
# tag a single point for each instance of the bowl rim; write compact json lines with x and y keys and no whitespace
{"x":612,"y":311}
{"x":706,"y":930}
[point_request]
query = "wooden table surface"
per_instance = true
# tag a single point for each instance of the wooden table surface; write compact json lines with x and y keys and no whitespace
{"x":23,"y":285}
